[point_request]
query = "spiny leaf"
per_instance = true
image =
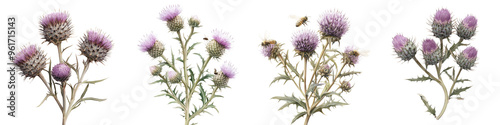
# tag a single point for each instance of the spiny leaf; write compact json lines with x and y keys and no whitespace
{"x":95,"y":81}
{"x":312,"y":88}
{"x":157,"y":81}
{"x":430,"y":109}
{"x":291,"y":99}
{"x":299,"y":115}
{"x":327,"y":105}
{"x":192,"y":47}
{"x":206,"y":77}
{"x":459,"y":90}
{"x":201,"y":57}
{"x":191,"y":75}
{"x":344,"y":74}
{"x":280,"y":77}
{"x":44,"y":99}
{"x":420,"y":79}
{"x":462,"y":80}
{"x":180,"y":59}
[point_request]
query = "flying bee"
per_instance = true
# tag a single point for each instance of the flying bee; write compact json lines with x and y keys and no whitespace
{"x":354,"y":52}
{"x":205,"y":38}
{"x":268,"y":42}
{"x":301,"y":21}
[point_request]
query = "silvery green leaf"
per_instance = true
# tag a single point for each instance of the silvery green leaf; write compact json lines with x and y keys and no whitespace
{"x":95,"y":81}
{"x":280,"y":77}
{"x":430,"y":109}
{"x":462,"y":80}
{"x":44,"y":99}
{"x":299,"y":115}
{"x":327,"y":105}
{"x":420,"y":79}
{"x":292,"y":100}
{"x":348,"y":73}
{"x":459,"y":90}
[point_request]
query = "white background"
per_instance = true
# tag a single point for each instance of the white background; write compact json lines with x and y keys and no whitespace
{"x":381,"y":95}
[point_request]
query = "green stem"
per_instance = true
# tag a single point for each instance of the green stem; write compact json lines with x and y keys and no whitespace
{"x":446,"y":97}
{"x":455,"y":81}
{"x":329,"y":87}
{"x":186,"y":85}
{"x":205,"y":105}
{"x":199,"y":75}
{"x":305,"y":86}
{"x":51,"y":92}
{"x":287,"y":71}
{"x":170,"y":91}
{"x":170,"y":63}
{"x":80,"y":80}
{"x":427,"y":72}
{"x":319,"y":60}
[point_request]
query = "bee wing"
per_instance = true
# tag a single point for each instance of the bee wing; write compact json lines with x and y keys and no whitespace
{"x":294,"y":17}
{"x":363,"y":52}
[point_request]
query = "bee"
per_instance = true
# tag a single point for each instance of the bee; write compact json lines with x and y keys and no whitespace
{"x":215,"y":72}
{"x":301,"y":21}
{"x":268,"y":42}
{"x":205,"y":38}
{"x":354,"y":52}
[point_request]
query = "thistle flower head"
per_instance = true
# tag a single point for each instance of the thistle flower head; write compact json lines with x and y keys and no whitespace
{"x":155,"y":70}
{"x":151,"y":45}
{"x":404,"y":47}
{"x":350,"y":56}
{"x":30,"y":60}
{"x":271,"y":51}
{"x":170,"y":12}
{"x":467,"y":58}
{"x":56,"y":27}
{"x":431,"y":56}
{"x":194,"y":21}
{"x":442,"y":16}
{"x":441,"y":24}
{"x":429,"y":46}
{"x":218,"y":45}
{"x":223,"y":38}
{"x":222,"y":77}
{"x":333,"y":24}
{"x":467,"y":28}
{"x":228,"y":70}
{"x":399,"y":41}
{"x":325,"y":70}
{"x":346,"y":86}
{"x":61,"y":72}
{"x":305,"y":42}
{"x":171,"y":15}
{"x":95,"y":45}
{"x":174,"y":77}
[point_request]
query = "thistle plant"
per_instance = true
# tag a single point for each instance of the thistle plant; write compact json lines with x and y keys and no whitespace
{"x":32,"y":61}
{"x":180,"y":80}
{"x":435,"y":55}
{"x":325,"y":75}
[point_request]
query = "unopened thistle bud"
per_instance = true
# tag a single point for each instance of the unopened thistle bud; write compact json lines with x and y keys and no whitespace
{"x":174,"y":77}
{"x":350,"y":56}
{"x":333,"y":24}
{"x":305,"y":43}
{"x":30,"y":60}
{"x":171,"y":15}
{"x":404,"y":47}
{"x":442,"y":24}
{"x":194,"y":21}
{"x":95,"y":46}
{"x":431,"y":52}
{"x":325,"y":70}
{"x":345,"y":86}
{"x":219,"y":43}
{"x":467,"y":28}
{"x":56,"y":27}
{"x":155,"y":70}
{"x":151,"y":45}
{"x":61,"y":72}
{"x":222,"y":77}
{"x":467,"y":58}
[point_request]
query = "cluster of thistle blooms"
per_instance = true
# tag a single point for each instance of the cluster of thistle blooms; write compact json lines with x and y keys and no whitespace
{"x":31,"y":60}
{"x":184,"y":76}
{"x":436,"y":54}
{"x":333,"y":25}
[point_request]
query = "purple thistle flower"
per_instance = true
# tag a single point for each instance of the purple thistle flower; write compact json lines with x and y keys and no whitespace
{"x":228,"y":70}
{"x":429,"y":46}
{"x":466,"y":60}
{"x":333,"y":23}
{"x":148,"y":43}
{"x":268,"y":50}
{"x":54,"y":18}
{"x":61,"y":72}
{"x":399,"y":41}
{"x":351,"y":56}
{"x":305,"y":42}
{"x":30,"y":60}
{"x":442,"y":16}
{"x":223,"y":38}
{"x":170,"y":12}
{"x":470,"y":22}
{"x":470,"y":52}
{"x":95,"y":46}
{"x":25,"y":54}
